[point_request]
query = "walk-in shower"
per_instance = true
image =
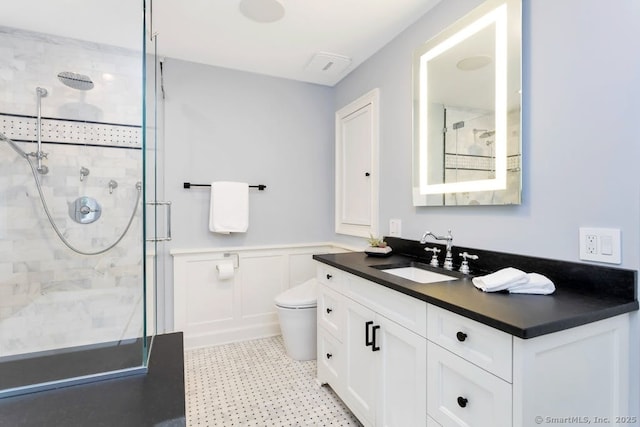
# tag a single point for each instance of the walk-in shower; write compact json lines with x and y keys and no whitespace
{"x":77,"y":232}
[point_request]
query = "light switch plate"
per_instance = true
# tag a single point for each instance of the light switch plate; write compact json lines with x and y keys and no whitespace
{"x":600,"y":244}
{"x":395,"y":227}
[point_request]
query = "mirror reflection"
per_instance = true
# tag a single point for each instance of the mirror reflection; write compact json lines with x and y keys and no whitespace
{"x":467,"y":148}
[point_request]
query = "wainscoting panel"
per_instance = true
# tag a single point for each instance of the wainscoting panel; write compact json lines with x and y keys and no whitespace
{"x":214,"y":297}
{"x":211,"y":310}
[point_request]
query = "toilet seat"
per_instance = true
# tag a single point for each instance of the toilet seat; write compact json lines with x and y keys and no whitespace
{"x":302,"y":296}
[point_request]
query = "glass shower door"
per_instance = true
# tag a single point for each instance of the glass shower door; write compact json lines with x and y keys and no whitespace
{"x":157,"y":210}
{"x":78,"y":125}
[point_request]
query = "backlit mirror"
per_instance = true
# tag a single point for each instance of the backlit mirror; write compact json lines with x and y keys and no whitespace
{"x":467,"y":104}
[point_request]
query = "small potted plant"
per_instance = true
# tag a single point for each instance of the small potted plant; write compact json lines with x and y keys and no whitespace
{"x":377,"y":247}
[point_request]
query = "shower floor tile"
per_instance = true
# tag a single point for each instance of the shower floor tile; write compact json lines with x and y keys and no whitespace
{"x":254,"y":383}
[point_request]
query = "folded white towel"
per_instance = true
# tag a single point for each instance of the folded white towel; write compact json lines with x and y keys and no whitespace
{"x":537,"y":284}
{"x":229,"y":210}
{"x":501,"y":280}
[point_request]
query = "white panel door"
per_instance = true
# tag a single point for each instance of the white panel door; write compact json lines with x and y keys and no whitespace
{"x":357,"y":180}
{"x":402,"y":366}
{"x":356,"y":167}
{"x":361,"y":375}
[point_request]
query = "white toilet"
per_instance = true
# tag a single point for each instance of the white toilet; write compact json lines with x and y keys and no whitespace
{"x":297,"y":314}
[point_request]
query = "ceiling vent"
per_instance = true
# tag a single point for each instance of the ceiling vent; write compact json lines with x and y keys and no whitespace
{"x":329,"y":64}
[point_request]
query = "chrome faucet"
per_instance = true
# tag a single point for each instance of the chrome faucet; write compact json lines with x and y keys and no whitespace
{"x":448,"y":258}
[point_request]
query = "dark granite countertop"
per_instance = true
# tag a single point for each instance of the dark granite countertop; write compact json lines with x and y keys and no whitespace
{"x":521,"y":315}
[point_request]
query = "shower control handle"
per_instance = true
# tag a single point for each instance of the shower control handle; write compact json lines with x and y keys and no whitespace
{"x":329,"y":310}
{"x":84,"y":210}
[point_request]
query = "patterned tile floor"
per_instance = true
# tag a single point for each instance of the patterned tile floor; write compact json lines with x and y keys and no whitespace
{"x":254,"y":383}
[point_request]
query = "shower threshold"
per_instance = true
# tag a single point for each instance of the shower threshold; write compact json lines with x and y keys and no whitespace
{"x":72,"y":366}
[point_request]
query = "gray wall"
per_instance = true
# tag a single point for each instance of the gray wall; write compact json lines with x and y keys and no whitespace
{"x":225,"y":125}
{"x":581,"y":102}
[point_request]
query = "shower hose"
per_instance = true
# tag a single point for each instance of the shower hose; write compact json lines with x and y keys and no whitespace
{"x":48,"y":213}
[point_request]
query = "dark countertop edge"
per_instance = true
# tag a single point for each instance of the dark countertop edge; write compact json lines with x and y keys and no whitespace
{"x":524,"y":333}
{"x":541,"y":329}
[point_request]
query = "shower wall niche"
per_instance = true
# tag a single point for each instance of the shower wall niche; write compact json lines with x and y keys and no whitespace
{"x":51,"y":298}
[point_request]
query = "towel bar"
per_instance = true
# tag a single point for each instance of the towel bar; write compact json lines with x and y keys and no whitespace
{"x":260,"y":187}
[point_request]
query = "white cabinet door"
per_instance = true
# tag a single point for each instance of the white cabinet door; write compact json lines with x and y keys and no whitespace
{"x":356,"y":167}
{"x":402,"y":396}
{"x":360,"y":374}
{"x":357,"y":178}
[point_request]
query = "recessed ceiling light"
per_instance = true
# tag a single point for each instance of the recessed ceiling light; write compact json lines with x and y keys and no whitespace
{"x":474,"y":63}
{"x":262,"y":10}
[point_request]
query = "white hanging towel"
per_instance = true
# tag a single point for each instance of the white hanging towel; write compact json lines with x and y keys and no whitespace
{"x":229,"y":210}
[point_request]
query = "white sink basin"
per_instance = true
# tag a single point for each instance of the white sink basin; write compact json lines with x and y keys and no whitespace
{"x":418,"y":275}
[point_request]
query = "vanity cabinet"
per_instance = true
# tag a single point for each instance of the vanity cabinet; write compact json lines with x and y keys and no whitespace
{"x":378,"y":366}
{"x":480,"y":376}
{"x":399,"y":361}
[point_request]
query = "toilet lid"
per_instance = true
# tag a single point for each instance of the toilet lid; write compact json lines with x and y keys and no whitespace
{"x":300,"y":296}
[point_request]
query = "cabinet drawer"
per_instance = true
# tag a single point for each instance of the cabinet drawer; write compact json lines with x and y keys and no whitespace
{"x":331,"y":277}
{"x":330,"y":311}
{"x":462,"y":394}
{"x":330,"y":360}
{"x":407,"y":311}
{"x":480,"y":344}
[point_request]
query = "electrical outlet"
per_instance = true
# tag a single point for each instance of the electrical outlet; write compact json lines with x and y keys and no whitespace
{"x":395,"y":227}
{"x":600,"y":244}
{"x":591,"y":244}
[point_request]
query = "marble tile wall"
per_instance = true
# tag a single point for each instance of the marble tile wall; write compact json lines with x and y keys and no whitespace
{"x":29,"y":60}
{"x":51,"y":297}
{"x":475,"y":159}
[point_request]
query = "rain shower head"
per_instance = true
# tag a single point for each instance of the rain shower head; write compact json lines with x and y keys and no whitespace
{"x":75,"y":80}
{"x":487,"y":134}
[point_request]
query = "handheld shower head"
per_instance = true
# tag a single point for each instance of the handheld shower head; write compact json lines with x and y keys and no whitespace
{"x":13,"y":145}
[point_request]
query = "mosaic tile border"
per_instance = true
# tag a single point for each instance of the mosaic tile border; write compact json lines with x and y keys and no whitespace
{"x":62,"y":131}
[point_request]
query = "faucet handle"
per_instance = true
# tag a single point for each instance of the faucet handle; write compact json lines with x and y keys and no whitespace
{"x":434,"y":258}
{"x":464,"y":267}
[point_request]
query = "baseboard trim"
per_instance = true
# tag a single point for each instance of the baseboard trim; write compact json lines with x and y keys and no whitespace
{"x":194,"y":341}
